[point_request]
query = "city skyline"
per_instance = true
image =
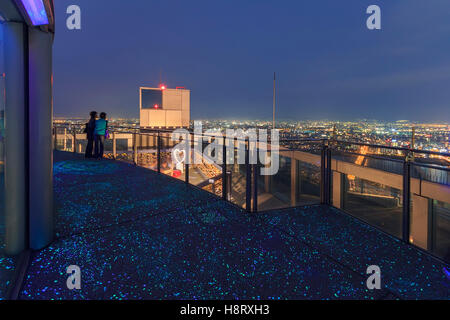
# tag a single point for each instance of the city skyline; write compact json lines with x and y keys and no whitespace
{"x":328,"y":64}
{"x":427,"y":136}
{"x":284,"y":120}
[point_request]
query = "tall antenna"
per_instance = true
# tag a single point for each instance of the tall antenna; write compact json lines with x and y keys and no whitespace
{"x":274,"y":100}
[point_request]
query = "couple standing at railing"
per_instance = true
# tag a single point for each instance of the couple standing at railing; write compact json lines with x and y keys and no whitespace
{"x":96,"y":131}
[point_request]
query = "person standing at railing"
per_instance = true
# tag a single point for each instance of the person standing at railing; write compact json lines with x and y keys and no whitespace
{"x":100,"y":132}
{"x":90,"y":134}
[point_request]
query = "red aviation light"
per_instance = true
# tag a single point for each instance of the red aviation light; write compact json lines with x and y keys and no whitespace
{"x":162,"y":87}
{"x":156,"y":106}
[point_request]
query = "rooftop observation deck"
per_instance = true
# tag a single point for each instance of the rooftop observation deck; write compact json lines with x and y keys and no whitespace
{"x":138,"y":234}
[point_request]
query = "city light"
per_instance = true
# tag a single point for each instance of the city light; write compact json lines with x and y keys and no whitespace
{"x":36,"y":11}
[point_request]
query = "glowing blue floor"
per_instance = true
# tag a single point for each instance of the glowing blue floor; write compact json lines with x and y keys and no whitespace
{"x":7,"y":272}
{"x":8,"y":264}
{"x":139,"y":235}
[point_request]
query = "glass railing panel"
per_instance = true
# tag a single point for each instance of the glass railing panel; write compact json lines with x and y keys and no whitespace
{"x":196,"y":177}
{"x":205,"y":172}
{"x":369,"y":188}
{"x":377,"y":204}
{"x":308,"y":183}
{"x":430,"y":213}
{"x":303,"y":174}
{"x":57,"y":145}
{"x":170,"y":166}
{"x":237,"y":178}
{"x":440,"y":239}
{"x":147,"y":149}
{"x":274,"y":191}
{"x":431,"y":169}
{"x":81,"y":143}
{"x":370,"y":157}
{"x":124,"y":148}
{"x":64,"y":139}
{"x":107,"y":147}
{"x":236,"y":173}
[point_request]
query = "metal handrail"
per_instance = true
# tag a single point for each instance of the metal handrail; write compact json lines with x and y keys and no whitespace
{"x":329,"y":142}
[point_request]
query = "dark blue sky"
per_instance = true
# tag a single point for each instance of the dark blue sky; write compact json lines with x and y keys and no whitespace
{"x":328,"y":63}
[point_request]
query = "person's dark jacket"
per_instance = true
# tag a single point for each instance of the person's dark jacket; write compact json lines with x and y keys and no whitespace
{"x":90,"y":129}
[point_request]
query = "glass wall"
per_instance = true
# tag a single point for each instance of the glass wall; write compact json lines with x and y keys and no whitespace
{"x":7,"y":263}
{"x":2,"y":139}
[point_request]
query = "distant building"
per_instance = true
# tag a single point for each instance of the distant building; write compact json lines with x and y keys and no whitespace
{"x":164,"y":108}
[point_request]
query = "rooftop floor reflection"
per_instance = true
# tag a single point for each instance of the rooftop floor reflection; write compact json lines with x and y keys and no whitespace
{"x":137,"y":234}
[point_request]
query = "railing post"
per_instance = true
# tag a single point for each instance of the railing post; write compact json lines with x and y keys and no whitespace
{"x":135,"y":153}
{"x":406,"y":199}
{"x":248,"y":180}
{"x":253,"y":152}
{"x":328,"y":177}
{"x":187,"y":158}
{"x":65,"y":140}
{"x":255,"y":187}
{"x":158,"y":153}
{"x":55,"y":142}
{"x":229,"y":186}
{"x":224,"y":169}
{"x":294,"y":181}
{"x":74,"y":142}
{"x":114,"y":145}
{"x":323,"y":179}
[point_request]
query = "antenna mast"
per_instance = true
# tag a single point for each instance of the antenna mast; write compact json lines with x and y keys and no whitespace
{"x":274,"y":100}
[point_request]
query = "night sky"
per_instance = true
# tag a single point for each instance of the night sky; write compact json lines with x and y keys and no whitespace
{"x":329,"y":65}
